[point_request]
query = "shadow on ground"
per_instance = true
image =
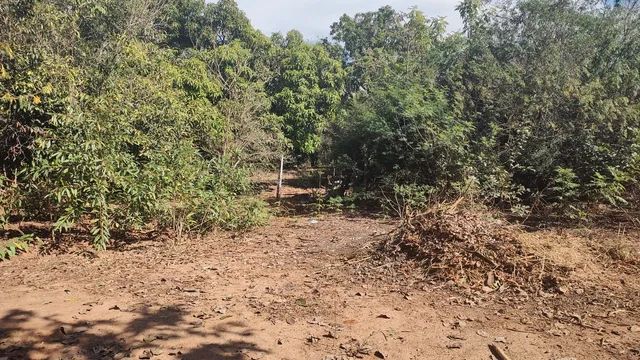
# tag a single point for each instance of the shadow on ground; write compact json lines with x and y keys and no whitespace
{"x":149,"y":333}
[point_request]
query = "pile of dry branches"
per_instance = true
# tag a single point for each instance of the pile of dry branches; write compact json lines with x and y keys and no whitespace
{"x":473,"y":251}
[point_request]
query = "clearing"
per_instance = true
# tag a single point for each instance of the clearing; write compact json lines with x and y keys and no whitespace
{"x":307,"y":287}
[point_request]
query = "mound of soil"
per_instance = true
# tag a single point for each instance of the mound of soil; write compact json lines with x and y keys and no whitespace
{"x":474,"y":251}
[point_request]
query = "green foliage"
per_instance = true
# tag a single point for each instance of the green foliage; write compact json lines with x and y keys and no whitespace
{"x":118,"y":130}
{"x":204,"y":25}
{"x":336,"y":203}
{"x":9,"y":200}
{"x":535,"y":99}
{"x":306,"y":91}
{"x":544,"y":84}
{"x":565,"y":185}
{"x":252,"y":135}
{"x":610,"y":188}
{"x":399,"y":126}
{"x":119,"y":114}
{"x":15,"y":246}
{"x":406,"y":199}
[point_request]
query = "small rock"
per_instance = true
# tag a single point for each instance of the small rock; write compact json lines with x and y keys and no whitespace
{"x":460,"y":324}
{"x":220,"y":310}
{"x":365,"y":349}
{"x":80,"y":329}
{"x":456,"y":337}
{"x":482,"y":333}
{"x":579,"y":291}
{"x":196,"y":323}
{"x":146,"y":354}
{"x":455,"y":345}
{"x":312,"y":339}
{"x":379,"y":354}
{"x":563,"y":290}
{"x":500,"y":339}
{"x":560,"y":326}
{"x":149,"y":338}
{"x":332,"y":334}
{"x":544,"y":294}
{"x":634,"y":329}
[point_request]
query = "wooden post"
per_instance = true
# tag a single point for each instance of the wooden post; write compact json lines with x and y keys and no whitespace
{"x":279,"y":190}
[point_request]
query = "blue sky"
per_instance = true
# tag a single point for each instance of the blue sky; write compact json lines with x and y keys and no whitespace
{"x":313,"y":17}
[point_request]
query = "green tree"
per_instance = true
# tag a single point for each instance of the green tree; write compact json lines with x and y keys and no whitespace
{"x":547,"y":85}
{"x":399,"y":126}
{"x":104,"y":123}
{"x":306,"y":91}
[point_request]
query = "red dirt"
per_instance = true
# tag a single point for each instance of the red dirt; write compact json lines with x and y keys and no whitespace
{"x":302,"y":287}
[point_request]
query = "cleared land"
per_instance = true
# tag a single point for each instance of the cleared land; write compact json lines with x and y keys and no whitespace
{"x":311,"y":287}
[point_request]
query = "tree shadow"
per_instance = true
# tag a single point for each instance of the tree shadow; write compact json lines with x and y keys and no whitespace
{"x":25,"y":334}
{"x":313,"y":201}
{"x":227,"y":351}
{"x":609,"y":219}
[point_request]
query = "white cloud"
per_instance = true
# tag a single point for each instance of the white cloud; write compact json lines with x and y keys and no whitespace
{"x":314,"y":17}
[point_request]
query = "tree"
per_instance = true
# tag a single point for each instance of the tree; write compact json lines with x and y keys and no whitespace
{"x":541,"y":92}
{"x":306,"y":91}
{"x":106,"y":124}
{"x":398,"y":127}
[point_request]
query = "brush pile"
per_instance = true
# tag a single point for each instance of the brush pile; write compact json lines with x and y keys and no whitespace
{"x":475,"y":252}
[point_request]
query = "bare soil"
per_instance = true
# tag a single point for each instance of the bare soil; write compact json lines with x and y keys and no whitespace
{"x":310,"y":286}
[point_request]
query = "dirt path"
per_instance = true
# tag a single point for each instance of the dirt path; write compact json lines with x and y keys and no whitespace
{"x":301,"y":288}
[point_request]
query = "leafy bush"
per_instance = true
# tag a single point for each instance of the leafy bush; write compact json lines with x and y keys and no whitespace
{"x":536,"y":99}
{"x":15,"y":246}
{"x":106,"y":125}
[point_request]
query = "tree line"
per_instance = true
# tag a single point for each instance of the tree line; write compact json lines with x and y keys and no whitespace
{"x":128,"y":113}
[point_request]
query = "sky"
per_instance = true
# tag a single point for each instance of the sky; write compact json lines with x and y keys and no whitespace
{"x":314,"y":17}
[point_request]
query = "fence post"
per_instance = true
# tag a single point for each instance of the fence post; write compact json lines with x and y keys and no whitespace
{"x":279,"y":190}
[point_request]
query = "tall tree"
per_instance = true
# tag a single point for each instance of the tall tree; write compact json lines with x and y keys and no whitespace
{"x":306,"y":91}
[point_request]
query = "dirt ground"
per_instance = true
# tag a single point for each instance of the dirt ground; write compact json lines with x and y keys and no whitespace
{"x":304,"y":287}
